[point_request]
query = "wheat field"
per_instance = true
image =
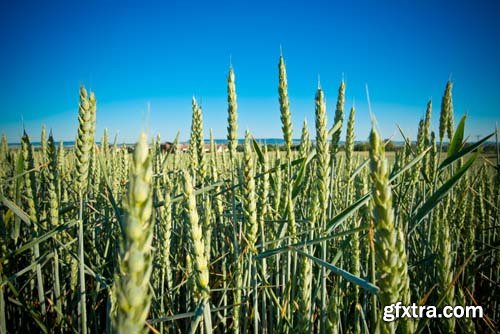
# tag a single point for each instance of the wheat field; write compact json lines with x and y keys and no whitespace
{"x":104,"y":238}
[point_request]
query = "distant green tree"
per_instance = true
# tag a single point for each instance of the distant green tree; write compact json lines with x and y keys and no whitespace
{"x":389,"y":146}
{"x":361,"y":146}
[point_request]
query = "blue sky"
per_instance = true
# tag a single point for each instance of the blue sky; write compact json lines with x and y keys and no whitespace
{"x":139,"y":53}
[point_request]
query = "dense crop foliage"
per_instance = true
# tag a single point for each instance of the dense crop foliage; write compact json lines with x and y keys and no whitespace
{"x":104,"y":238}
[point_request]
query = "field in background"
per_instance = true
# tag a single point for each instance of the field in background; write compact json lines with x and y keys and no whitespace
{"x":103,"y":238}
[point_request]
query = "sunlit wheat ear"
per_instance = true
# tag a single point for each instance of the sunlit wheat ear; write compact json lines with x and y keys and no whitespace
{"x":249,"y":196}
{"x":83,"y":144}
{"x":193,"y":158}
{"x":286,"y":117}
{"x":420,"y":148}
{"x":105,"y":143}
{"x":43,"y":146}
{"x":198,"y":257}
{"x":339,"y":117}
{"x":446,"y":117}
{"x":322,"y":154}
{"x":196,"y":142}
{"x":305,"y":275}
{"x":450,"y":126}
{"x":200,"y":146}
{"x":93,"y":117}
{"x":349,"y":141}
{"x":165,"y":229}
{"x":29,"y":178}
{"x":427,"y":138}
{"x":392,"y":271}
{"x":433,"y":156}
{"x":52,"y":188}
{"x":32,"y":204}
{"x":232,"y":111}
{"x":131,"y":287}
{"x":305,"y":141}
{"x":4,"y":148}
{"x":322,"y":185}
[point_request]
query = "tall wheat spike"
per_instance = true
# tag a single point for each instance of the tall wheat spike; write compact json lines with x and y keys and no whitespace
{"x":83,"y":143}
{"x":4,"y":148}
{"x":31,"y":202}
{"x":446,"y":111}
{"x":322,"y":184}
{"x":249,"y":196}
{"x":339,"y":117}
{"x":197,"y":242}
{"x":392,"y":267}
{"x":427,"y":138}
{"x":196,"y":142}
{"x":286,"y":117}
{"x":305,"y":141}
{"x":132,"y":293}
{"x":197,"y":245}
{"x":349,"y":141}
{"x":232,"y":111}
{"x":322,"y":154}
{"x":53,"y":216}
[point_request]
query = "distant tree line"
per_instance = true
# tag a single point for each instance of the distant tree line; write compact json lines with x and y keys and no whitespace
{"x":364,"y":146}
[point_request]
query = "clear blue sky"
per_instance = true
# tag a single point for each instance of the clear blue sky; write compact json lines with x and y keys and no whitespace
{"x":161,"y":53}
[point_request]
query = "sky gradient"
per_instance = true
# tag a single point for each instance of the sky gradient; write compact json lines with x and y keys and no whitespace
{"x":159,"y":54}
